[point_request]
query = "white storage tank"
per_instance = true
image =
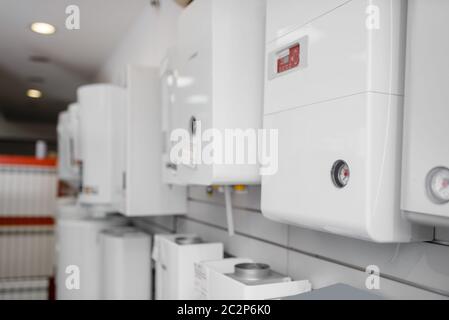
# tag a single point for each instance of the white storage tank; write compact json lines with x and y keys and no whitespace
{"x":126,"y":258}
{"x":175,"y":256}
{"x":102,"y":109}
{"x":219,"y":85}
{"x":425,"y":187}
{"x":79,"y":256}
{"x":334,"y":90}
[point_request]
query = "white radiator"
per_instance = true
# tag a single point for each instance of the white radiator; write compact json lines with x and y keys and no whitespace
{"x":28,"y":193}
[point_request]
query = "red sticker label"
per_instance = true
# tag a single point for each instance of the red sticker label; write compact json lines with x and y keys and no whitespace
{"x":290,"y":60}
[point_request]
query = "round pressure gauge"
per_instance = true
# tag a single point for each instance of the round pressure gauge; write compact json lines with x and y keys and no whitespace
{"x":438,"y":185}
{"x":340,"y":174}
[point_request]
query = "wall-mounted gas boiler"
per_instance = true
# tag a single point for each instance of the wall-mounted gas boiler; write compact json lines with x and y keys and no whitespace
{"x":334,"y":91}
{"x":102,"y":110}
{"x":142,"y":191}
{"x":219,"y":89}
{"x":65,"y":169}
{"x":425,"y":187}
{"x":167,"y":74}
{"x":69,"y":145}
{"x":75,"y":134}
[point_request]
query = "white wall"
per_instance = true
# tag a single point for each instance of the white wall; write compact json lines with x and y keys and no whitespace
{"x":408,"y":271}
{"x":146,"y":43}
{"x":418,"y":270}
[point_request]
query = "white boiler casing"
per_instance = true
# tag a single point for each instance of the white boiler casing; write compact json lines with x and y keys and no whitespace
{"x":126,"y":257}
{"x":102,"y":110}
{"x":219,"y":85}
{"x":143,"y":192}
{"x":334,"y":91}
{"x":65,"y":169}
{"x":75,"y":134}
{"x":68,"y":145}
{"x":425,"y":188}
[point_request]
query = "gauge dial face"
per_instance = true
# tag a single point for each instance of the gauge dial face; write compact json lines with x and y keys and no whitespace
{"x":438,"y":185}
{"x":340,"y":174}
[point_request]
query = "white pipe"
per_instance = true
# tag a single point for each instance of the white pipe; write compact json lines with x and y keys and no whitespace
{"x":229,"y":214}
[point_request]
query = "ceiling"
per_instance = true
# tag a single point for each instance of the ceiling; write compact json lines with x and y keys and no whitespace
{"x":74,"y":56}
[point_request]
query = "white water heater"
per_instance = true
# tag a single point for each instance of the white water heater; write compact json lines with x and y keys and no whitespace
{"x":75,"y":135}
{"x":143,"y":192}
{"x":242,"y":279}
{"x":79,"y":257}
{"x":425,"y":188}
{"x":126,"y":257}
{"x":65,"y":168}
{"x":219,"y":89}
{"x":175,"y":256}
{"x":69,"y":145}
{"x":102,"y":110}
{"x":167,"y":74}
{"x":334,"y":91}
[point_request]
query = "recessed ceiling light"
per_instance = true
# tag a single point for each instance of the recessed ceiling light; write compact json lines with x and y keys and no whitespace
{"x":42,"y":28}
{"x":34,"y":93}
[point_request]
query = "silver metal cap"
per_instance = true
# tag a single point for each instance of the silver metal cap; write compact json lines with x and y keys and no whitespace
{"x":252,"y":271}
{"x":188,"y":240}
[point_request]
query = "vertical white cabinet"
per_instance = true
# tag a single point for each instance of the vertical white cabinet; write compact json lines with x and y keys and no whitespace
{"x":143,"y":192}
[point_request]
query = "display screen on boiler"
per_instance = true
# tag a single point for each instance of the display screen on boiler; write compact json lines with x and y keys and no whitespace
{"x":288,"y":59}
